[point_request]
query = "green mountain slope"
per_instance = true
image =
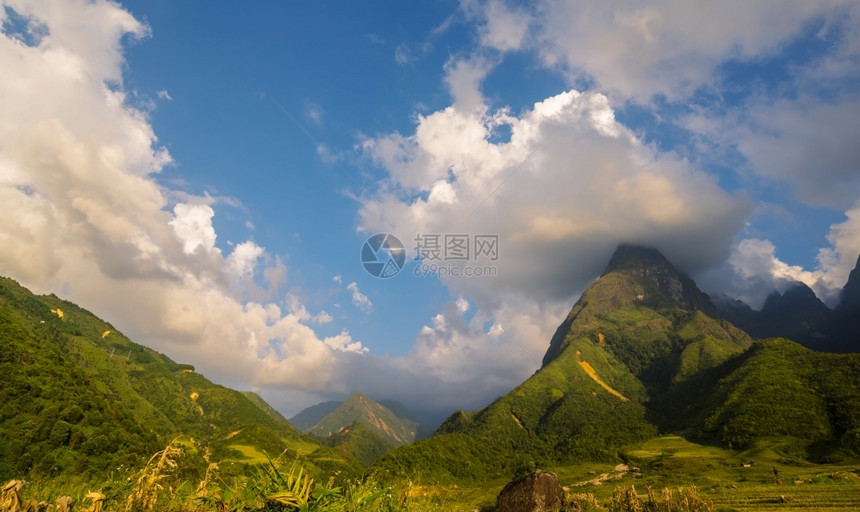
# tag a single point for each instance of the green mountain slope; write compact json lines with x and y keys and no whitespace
{"x":779,"y":388}
{"x":634,"y":334}
{"x":79,"y":398}
{"x":641,"y":352}
{"x":379,"y":420}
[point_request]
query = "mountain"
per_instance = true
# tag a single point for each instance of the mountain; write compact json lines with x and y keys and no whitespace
{"x":377,"y":418}
{"x":642,"y":352}
{"x":843,"y":327}
{"x":799,"y":315}
{"x":360,"y":427}
{"x":313,"y":414}
{"x":81,"y":399}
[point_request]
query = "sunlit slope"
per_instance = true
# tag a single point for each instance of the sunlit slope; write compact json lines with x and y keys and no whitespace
{"x":80,"y":398}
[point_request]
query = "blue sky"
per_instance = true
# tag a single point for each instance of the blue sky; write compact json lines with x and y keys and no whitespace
{"x":205,"y":176}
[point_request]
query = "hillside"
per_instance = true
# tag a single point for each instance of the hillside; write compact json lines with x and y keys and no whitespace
{"x":379,"y":420}
{"x":359,"y":441}
{"x":81,"y":399}
{"x":640,"y":353}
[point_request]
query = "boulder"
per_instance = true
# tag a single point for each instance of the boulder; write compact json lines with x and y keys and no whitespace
{"x":535,"y":492}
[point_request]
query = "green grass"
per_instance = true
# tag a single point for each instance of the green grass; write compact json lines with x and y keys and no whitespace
{"x":249,"y":454}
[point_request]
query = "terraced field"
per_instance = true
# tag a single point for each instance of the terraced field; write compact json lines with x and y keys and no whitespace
{"x":790,"y":498}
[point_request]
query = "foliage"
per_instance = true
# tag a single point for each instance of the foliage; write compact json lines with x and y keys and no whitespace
{"x":81,"y":401}
{"x":359,"y":441}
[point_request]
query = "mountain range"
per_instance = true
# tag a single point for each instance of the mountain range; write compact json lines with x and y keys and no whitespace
{"x":645,"y":351}
{"x":642,"y":352}
{"x":799,"y":315}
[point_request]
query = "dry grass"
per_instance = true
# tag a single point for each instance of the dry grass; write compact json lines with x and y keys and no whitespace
{"x":10,"y":496}
{"x":626,"y":499}
{"x":148,"y":487}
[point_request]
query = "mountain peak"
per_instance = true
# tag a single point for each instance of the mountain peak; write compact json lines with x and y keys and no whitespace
{"x":663,"y":284}
{"x":632,"y":257}
{"x":379,"y":419}
{"x":636,"y":276}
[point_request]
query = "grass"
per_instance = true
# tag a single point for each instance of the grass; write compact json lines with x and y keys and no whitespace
{"x":249,"y":453}
{"x":667,"y":474}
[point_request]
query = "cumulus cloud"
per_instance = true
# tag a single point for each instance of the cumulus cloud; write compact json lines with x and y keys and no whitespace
{"x":88,"y":219}
{"x":570,"y":185}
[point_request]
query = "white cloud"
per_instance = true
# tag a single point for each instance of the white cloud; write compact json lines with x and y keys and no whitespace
{"x":322,"y":318}
{"x":637,"y":50}
{"x":569,"y":186}
{"x":78,"y":166}
{"x":462,"y":305}
{"x":192,"y":224}
{"x":359,"y":299}
{"x":463,"y":78}
{"x":504,"y":28}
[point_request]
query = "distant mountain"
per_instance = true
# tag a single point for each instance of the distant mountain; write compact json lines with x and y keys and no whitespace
{"x":643,"y":351}
{"x":799,"y":315}
{"x":796,"y":314}
{"x":843,"y":327}
{"x":360,"y":427}
{"x":79,"y":398}
{"x":376,"y":417}
{"x":309,"y":417}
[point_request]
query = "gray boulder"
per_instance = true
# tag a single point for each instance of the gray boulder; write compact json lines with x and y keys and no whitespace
{"x":535,"y":492}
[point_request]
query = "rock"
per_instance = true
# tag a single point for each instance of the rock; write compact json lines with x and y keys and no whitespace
{"x":535,"y":492}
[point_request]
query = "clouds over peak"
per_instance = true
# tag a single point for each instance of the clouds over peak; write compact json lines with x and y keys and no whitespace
{"x":569,"y":185}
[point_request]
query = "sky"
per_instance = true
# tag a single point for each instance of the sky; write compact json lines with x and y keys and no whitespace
{"x":210,"y":176}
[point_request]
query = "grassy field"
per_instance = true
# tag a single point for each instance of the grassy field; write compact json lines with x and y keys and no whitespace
{"x":731,"y":481}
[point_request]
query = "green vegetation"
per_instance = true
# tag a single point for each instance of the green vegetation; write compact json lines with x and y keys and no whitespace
{"x":359,"y":441}
{"x":662,"y":474}
{"x":80,"y":401}
{"x":762,"y":426}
